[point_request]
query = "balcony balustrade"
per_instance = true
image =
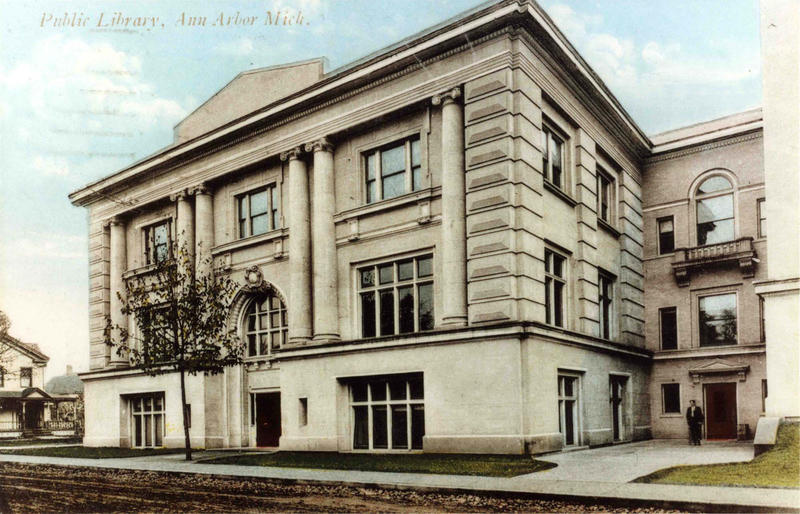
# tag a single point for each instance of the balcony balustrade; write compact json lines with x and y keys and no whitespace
{"x":738,"y":252}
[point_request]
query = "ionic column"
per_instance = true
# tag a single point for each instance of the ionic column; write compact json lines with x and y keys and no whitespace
{"x":325,"y":289}
{"x":299,"y":249}
{"x":184,"y":228}
{"x":204,"y":230}
{"x":454,"y":223}
{"x":118,"y":263}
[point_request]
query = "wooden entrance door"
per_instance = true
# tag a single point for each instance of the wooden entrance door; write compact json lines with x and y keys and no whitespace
{"x":268,"y":419}
{"x":721,"y":411}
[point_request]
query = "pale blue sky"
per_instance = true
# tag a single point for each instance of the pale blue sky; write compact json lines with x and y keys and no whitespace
{"x":78,"y":103}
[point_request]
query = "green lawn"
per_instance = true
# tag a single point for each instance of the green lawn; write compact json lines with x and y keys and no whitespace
{"x":79,"y":452}
{"x":481,"y":465}
{"x":779,"y":467}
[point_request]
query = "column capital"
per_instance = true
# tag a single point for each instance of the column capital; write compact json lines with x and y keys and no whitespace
{"x":293,"y":154}
{"x":183,"y":194}
{"x":322,"y":144}
{"x":200,"y":189}
{"x":114,"y":221}
{"x":449,"y":96}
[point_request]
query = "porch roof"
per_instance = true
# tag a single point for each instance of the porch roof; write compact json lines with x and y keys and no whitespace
{"x":29,"y":393}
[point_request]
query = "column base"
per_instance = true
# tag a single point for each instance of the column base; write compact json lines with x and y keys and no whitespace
{"x":454,"y":321}
{"x":298,"y":341}
{"x":119,"y":364}
{"x":326,"y":338}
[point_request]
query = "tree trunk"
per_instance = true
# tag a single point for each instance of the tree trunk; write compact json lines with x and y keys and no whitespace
{"x":187,"y":442}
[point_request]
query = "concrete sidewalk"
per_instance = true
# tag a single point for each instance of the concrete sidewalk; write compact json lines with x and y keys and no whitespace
{"x":670,"y":496}
{"x":629,"y":461}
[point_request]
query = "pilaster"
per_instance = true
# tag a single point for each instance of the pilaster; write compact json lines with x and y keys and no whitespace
{"x":586,"y":256}
{"x":454,"y":251}
{"x":184,"y":228}
{"x":118,"y":265}
{"x":504,"y":198}
{"x":323,"y":250}
{"x":300,"y":320}
{"x":204,"y":229}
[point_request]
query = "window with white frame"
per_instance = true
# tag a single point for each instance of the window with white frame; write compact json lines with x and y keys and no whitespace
{"x":606,"y":303}
{"x":762,"y":217}
{"x":605,"y":195}
{"x":157,"y":242}
{"x":396,"y":297}
{"x":258,"y":211}
{"x":265,"y":325}
{"x":568,"y":396}
{"x":671,"y":398}
{"x":147,"y":420}
{"x":717,"y":319}
{"x":553,"y":157}
{"x":554,"y":287}
{"x":715,"y":211}
{"x":393,"y":170}
{"x":388,"y":413}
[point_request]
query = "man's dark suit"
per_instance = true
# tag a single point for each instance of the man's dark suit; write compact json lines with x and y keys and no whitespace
{"x":694,"y":417}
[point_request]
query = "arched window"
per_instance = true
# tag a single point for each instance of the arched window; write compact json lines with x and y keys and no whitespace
{"x":265,"y":325}
{"x":715,"y":218}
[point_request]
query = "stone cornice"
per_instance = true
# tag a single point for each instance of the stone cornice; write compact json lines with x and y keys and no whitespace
{"x":418,"y":94}
{"x":724,"y":141}
{"x":463,"y":28}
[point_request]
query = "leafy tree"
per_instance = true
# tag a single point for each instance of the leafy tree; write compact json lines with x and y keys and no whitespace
{"x":181,"y":323}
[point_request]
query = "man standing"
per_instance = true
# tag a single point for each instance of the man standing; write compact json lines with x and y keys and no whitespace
{"x":694,"y":417}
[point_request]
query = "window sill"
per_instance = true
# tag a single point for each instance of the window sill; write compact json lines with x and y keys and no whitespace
{"x":608,"y":228}
{"x":559,"y":193}
{"x":249,"y":241}
{"x":397,"y":201}
{"x":675,"y":415}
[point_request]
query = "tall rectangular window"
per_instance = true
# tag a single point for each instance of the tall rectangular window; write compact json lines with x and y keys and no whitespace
{"x":668,"y":324}
{"x":671,"y":398}
{"x":393,"y":170}
{"x":666,"y":235}
{"x":605,"y":194}
{"x":258,"y":211}
{"x":553,"y":157}
{"x":157,"y":241}
{"x":396,"y":297}
{"x":606,"y":303}
{"x":568,"y":391}
{"x":762,"y":217}
{"x":25,"y":377}
{"x":147,"y":420}
{"x":554,"y":287}
{"x":761,"y":319}
{"x":717,"y":319}
{"x":388,"y":413}
{"x":764,"y":393}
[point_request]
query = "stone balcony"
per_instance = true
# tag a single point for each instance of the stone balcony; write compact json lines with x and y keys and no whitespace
{"x":739,"y":252}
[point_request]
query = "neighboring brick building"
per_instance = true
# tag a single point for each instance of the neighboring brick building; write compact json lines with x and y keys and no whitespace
{"x":439,"y":247}
{"x":704,"y":213}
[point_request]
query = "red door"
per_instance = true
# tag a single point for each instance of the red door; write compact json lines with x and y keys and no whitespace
{"x":721,"y":411}
{"x":268,"y":419}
